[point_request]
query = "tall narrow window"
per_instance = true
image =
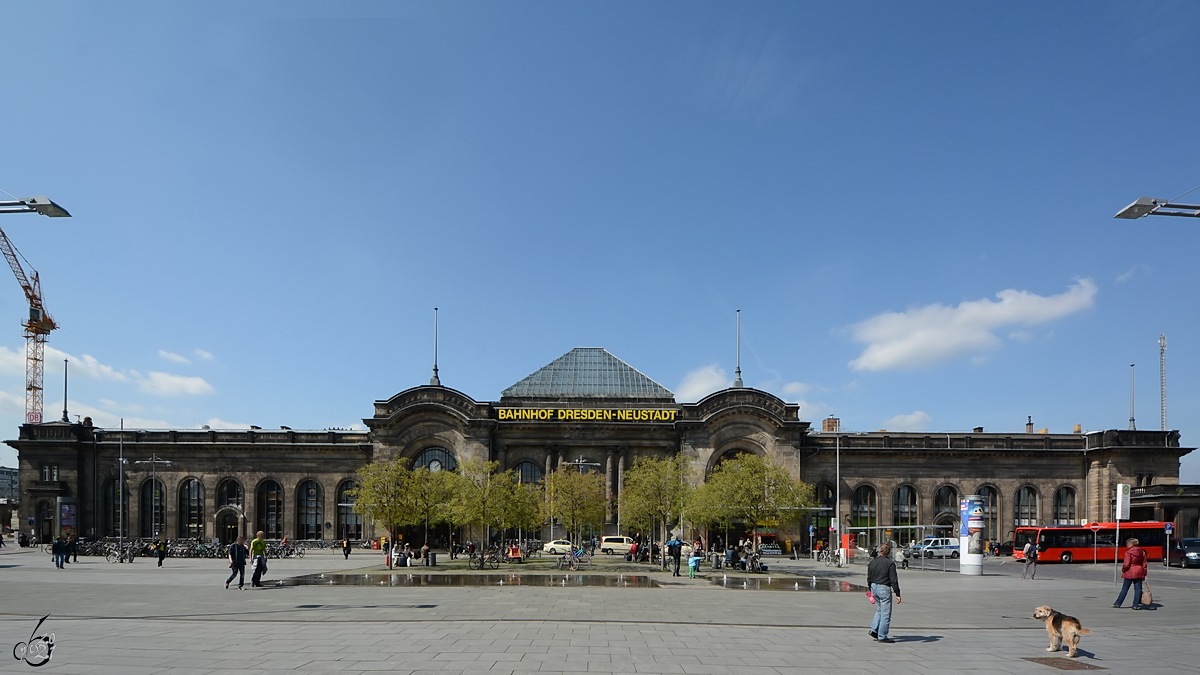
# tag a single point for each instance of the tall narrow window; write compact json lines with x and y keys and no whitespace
{"x":113,"y":519}
{"x":1064,"y":506}
{"x":1025,"y":507}
{"x":153,"y":511}
{"x":269,"y":516}
{"x":824,"y":517}
{"x":862,"y":514}
{"x":191,"y":509}
{"x":991,"y":512}
{"x":904,"y":507}
{"x":349,"y":524}
{"x":309,"y":510}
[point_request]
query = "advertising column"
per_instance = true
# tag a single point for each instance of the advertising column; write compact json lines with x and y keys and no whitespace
{"x":970,"y":536}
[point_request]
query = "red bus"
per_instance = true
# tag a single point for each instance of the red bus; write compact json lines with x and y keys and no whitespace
{"x":1078,"y":543}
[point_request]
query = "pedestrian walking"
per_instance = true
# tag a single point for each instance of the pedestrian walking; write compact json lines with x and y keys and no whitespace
{"x":160,"y":549}
{"x":1031,"y":555}
{"x":73,"y":548}
{"x":237,"y":563}
{"x":1133,"y":571}
{"x":884,"y":584}
{"x":58,"y":551}
{"x":676,"y":550}
{"x":346,"y":547}
{"x":258,"y":554}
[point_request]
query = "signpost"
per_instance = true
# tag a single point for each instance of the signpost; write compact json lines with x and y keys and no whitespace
{"x":1095,"y":528}
{"x":1122,"y":513}
{"x":1167,"y":554}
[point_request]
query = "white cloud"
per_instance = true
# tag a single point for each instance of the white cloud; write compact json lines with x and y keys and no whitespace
{"x":1132,"y":272}
{"x":917,"y":421}
{"x":701,"y":382}
{"x":166,"y":384}
{"x":203,"y":355}
{"x":217,"y":423}
{"x":86,"y":365}
{"x":795,"y":389}
{"x":923,"y":336}
{"x":12,"y":362}
{"x":173,"y":357}
{"x":12,"y":404}
{"x":108,"y":420}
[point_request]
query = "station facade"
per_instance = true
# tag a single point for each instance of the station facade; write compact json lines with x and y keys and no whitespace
{"x":592,"y":409}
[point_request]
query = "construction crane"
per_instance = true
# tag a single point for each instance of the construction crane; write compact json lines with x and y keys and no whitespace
{"x":39,"y":324}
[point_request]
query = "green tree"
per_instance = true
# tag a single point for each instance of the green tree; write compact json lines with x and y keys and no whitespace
{"x":430,"y":493}
{"x":754,"y":490}
{"x":382,"y":496}
{"x":480,"y":494}
{"x":576,"y":499}
{"x":524,"y":508}
{"x":653,"y":491}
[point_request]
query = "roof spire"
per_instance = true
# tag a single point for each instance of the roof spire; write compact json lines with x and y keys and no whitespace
{"x":737,"y":379}
{"x":434,"y":380}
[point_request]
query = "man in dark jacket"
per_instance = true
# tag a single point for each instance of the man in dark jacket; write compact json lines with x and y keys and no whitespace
{"x":884,"y":584}
{"x":238,"y":555}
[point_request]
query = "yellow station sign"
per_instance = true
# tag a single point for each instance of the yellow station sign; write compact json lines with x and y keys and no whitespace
{"x":585,"y":415}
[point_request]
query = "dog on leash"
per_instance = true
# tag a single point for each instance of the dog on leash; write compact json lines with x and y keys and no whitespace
{"x":1062,"y":628}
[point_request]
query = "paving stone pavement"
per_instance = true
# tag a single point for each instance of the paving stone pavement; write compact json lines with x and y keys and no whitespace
{"x":179,"y":620}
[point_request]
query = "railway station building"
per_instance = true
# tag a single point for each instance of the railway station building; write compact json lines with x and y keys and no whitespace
{"x":586,"y":405}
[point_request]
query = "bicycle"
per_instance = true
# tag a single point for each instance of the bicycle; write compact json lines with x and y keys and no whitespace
{"x":125,"y":555}
{"x":480,"y":560}
{"x":834,"y":559}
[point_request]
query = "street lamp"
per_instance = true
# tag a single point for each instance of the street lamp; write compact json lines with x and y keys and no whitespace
{"x":40,"y":205}
{"x":1149,"y":206}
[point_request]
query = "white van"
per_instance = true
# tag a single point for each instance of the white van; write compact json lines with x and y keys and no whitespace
{"x":618,"y":545}
{"x":937,"y":547}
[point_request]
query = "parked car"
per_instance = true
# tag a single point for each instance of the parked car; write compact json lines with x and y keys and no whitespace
{"x":937,"y":547}
{"x":1185,"y":552}
{"x":618,"y":545}
{"x":557,"y":546}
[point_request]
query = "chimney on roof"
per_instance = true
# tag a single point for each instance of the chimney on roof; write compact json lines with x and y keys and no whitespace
{"x":1029,"y":424}
{"x":978,"y":430}
{"x":831,"y":424}
{"x":1079,"y":428}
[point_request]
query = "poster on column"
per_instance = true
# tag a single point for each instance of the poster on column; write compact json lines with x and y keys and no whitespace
{"x":971,"y":519}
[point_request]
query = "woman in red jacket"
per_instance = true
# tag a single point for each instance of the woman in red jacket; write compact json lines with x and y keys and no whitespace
{"x":1133,"y":570}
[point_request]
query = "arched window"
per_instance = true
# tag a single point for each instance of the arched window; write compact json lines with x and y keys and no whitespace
{"x":436,"y":459}
{"x":862,"y":513}
{"x":112,"y":519}
{"x":191,"y":509}
{"x":229,"y":493}
{"x":945,"y":500}
{"x":349,"y":525}
{"x":904,"y":507}
{"x":309,"y":510}
{"x":528,"y":472}
{"x":1064,"y":506}
{"x":153,"y":512}
{"x":269,"y":516}
{"x":1025,"y":507}
{"x":991,"y":512}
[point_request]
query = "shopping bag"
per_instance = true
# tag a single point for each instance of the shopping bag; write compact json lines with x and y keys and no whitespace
{"x":1147,"y":597}
{"x":871,"y":597}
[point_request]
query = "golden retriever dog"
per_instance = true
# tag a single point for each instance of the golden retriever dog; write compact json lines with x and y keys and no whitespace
{"x":1062,"y":628}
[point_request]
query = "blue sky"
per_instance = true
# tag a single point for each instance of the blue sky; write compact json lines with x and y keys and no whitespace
{"x":911,"y":203}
